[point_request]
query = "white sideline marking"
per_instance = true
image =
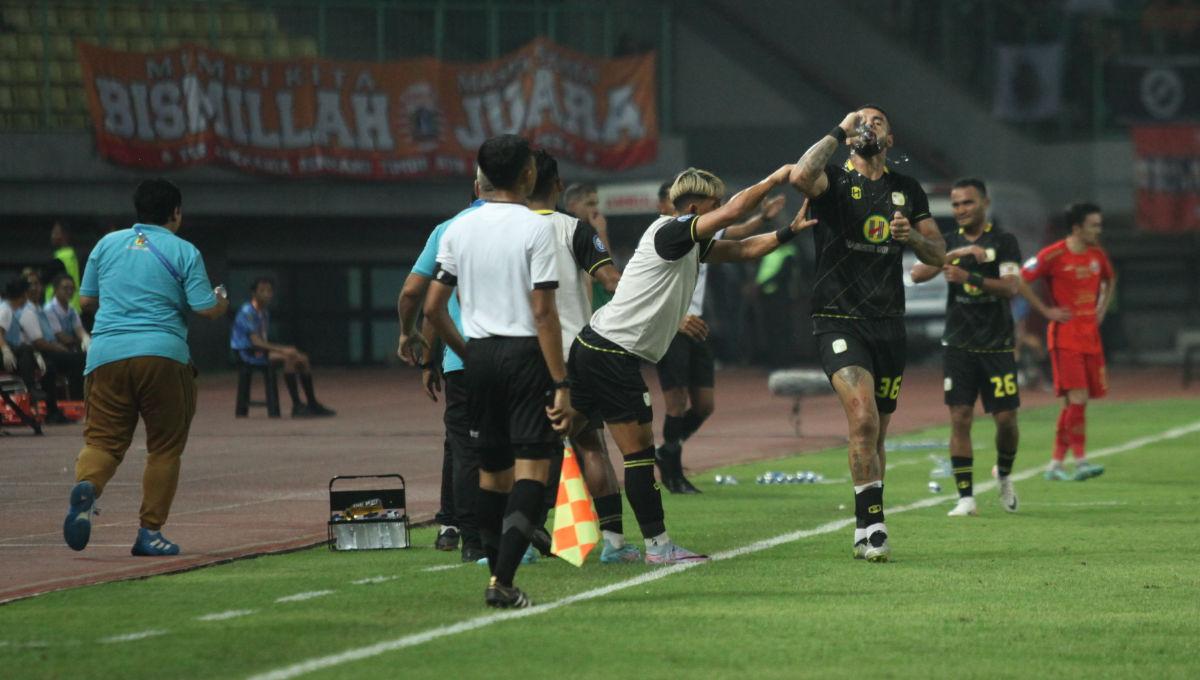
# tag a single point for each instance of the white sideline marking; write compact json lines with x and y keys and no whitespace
{"x":1087,"y":504}
{"x":130,"y":637}
{"x":300,"y":597}
{"x":444,"y":567}
{"x":416,"y":639}
{"x":225,"y":616}
{"x":373,"y":579}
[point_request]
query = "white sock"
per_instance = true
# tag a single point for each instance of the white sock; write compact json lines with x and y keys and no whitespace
{"x":859,"y":488}
{"x":878,"y":526}
{"x":1056,"y":465}
{"x":617,"y":541}
{"x":657,"y":541}
{"x":860,"y":535}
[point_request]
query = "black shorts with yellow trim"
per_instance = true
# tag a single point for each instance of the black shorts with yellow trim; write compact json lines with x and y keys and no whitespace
{"x":878,"y":345}
{"x":606,"y":381}
{"x":987,"y":373}
{"x":688,"y":363}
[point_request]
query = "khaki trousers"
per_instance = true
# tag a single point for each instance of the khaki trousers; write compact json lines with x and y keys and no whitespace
{"x":163,"y":393}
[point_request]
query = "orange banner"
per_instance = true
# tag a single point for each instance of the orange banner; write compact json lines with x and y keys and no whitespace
{"x":394,"y":120}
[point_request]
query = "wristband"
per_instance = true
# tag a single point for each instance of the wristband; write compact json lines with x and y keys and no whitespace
{"x":838,"y":133}
{"x":975,"y":279}
{"x":784,"y":234}
{"x":562,"y":385}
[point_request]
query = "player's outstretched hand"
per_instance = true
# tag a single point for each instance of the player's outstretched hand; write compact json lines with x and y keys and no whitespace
{"x":694,"y":327}
{"x":772,"y":206}
{"x":411,"y":348}
{"x":901,"y":228}
{"x":801,"y":222}
{"x":431,"y":380}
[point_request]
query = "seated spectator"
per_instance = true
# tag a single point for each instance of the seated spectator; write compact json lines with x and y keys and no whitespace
{"x":23,"y":346}
{"x":64,"y":320}
{"x":249,"y":339}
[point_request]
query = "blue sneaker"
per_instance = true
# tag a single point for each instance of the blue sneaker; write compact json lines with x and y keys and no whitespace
{"x":152,"y":544}
{"x":77,"y":527}
{"x":530,"y":556}
{"x":626,"y":553}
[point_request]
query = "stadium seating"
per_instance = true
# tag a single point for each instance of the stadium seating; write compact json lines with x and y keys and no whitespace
{"x":38,"y":48}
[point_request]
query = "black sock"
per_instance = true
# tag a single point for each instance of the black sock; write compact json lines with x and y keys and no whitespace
{"x":289,"y":379}
{"x":306,"y":381}
{"x":691,"y":422}
{"x":489,"y":515}
{"x":1004,"y":462}
{"x":673,"y":429}
{"x":551,"y":494}
{"x":608,"y":509}
{"x":524,"y":505}
{"x":961,"y":466}
{"x":643,"y":493}
{"x":868,"y":506}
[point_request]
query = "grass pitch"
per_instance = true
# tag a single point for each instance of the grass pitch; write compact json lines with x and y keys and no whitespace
{"x":1092,"y":579}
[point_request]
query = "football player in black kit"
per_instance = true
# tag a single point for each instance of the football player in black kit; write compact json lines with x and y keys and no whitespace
{"x":983,"y":270}
{"x":868,"y":215}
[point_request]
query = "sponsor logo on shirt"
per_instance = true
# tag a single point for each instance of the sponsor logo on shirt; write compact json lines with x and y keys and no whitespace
{"x":876,"y":229}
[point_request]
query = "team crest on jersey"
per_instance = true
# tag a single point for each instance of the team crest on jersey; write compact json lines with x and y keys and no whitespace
{"x":856,"y":193}
{"x":1094,"y":266}
{"x":877,"y":229}
{"x":139,"y":242}
{"x":972,"y":290}
{"x":898,"y":198}
{"x":598,"y":244}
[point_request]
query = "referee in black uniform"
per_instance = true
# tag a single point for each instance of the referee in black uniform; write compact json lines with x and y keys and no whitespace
{"x":983,"y":270}
{"x":868,"y":214}
{"x":502,"y":258}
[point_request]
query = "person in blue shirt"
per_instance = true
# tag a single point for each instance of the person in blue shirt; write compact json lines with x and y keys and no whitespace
{"x":61,"y":360}
{"x":249,"y":339}
{"x":142,"y":282}
{"x":460,"y":466}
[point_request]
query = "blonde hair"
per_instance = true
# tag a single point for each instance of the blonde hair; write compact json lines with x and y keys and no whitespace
{"x":696,"y":182}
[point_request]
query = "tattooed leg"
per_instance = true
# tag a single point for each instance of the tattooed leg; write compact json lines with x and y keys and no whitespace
{"x":855,"y":388}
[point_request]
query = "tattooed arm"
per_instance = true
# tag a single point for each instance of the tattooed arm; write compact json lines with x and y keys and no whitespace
{"x":808,"y":175}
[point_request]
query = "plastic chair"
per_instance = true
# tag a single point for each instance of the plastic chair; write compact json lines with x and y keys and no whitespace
{"x":245,"y":376}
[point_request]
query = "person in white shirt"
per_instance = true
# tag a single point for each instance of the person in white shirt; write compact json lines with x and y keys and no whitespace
{"x":25,"y":346}
{"x":64,"y":320}
{"x":501,"y":259}
{"x":644,"y":316}
{"x":686,"y":373}
{"x":583,"y":256}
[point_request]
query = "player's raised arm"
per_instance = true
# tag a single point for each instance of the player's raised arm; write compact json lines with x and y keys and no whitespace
{"x":757,"y":246}
{"x":808,"y":174}
{"x":709,"y":223}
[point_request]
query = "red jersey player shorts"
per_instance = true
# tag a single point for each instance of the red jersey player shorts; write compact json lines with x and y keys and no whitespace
{"x":1079,"y":371}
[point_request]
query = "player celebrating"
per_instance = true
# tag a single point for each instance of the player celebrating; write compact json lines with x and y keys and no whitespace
{"x":1081,"y":282}
{"x":866,"y":214}
{"x":643,"y":317}
{"x":984,"y":271}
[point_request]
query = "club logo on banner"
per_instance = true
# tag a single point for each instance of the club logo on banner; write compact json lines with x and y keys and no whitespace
{"x":392,"y":120}
{"x":1167,"y":177}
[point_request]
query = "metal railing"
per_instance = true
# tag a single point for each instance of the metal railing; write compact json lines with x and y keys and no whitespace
{"x":41,"y":81}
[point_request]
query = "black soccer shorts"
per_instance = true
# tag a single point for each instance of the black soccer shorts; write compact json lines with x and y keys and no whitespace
{"x":990,"y":374}
{"x":508,"y":390}
{"x":878,"y":345}
{"x":687,"y":363}
{"x":606,"y":381}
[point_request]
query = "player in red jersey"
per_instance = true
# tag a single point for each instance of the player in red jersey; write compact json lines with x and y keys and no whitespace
{"x":1081,"y":283}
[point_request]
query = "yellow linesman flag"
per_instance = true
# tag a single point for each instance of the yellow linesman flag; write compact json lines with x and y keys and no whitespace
{"x":576,"y":526}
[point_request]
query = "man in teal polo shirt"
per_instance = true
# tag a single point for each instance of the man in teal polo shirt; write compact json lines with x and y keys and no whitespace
{"x":144,"y":281}
{"x":460,"y":467}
